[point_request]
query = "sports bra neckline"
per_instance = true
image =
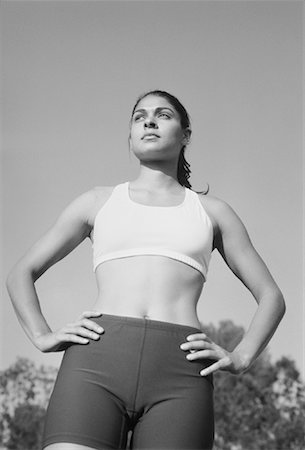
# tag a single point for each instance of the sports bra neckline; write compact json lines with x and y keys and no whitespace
{"x":127,"y":191}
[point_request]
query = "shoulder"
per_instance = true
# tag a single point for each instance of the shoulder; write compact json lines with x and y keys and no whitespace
{"x":99,"y":196}
{"x":223,"y":217}
{"x":85,"y":206}
{"x":217,"y":209}
{"x":215,"y":204}
{"x":101,"y":192}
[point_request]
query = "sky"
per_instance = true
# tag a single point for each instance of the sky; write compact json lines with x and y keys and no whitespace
{"x":72,"y":71}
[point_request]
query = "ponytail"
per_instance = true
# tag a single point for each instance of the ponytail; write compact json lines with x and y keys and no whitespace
{"x":184,"y":172}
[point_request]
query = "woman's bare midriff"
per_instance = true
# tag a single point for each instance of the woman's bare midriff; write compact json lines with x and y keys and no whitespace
{"x":149,"y":286}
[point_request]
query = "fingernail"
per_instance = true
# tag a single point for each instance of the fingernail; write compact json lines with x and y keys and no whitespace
{"x":202,"y":373}
{"x":189,"y":356}
{"x":100,"y":330}
{"x":183,"y":346}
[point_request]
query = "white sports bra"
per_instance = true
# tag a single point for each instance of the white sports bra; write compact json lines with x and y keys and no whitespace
{"x":124,"y":228}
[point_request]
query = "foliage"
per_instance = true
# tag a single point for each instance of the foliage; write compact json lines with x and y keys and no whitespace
{"x":24,"y":394}
{"x":26,"y":427}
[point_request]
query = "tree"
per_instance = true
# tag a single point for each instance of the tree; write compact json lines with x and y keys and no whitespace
{"x":26,"y":427}
{"x":24,"y":392}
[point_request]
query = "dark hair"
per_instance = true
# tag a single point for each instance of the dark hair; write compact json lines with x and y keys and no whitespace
{"x":183,"y":169}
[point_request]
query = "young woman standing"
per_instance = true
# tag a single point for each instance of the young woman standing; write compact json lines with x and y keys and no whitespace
{"x":138,"y":360}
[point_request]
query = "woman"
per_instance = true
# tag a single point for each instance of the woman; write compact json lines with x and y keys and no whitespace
{"x":139,"y":361}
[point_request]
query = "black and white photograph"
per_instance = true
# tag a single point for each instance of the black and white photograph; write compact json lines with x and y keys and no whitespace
{"x":152,"y":225}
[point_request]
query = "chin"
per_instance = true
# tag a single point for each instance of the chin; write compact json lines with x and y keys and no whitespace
{"x":154,"y":153}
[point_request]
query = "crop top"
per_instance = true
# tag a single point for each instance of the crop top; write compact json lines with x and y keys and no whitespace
{"x":124,"y":228}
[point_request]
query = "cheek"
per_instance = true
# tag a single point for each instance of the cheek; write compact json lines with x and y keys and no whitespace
{"x":176,"y":133}
{"x":135,"y":133}
{"x":134,"y":139}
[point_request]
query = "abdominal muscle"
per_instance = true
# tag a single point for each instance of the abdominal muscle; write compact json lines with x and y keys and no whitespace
{"x":149,"y":286}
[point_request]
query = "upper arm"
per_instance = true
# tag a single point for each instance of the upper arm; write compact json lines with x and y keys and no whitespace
{"x":234,"y":244}
{"x":70,"y":229}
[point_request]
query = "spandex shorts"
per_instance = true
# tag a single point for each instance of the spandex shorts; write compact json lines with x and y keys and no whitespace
{"x":134,"y":378}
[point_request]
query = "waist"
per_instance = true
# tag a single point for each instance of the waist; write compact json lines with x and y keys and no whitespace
{"x":144,"y":322}
{"x":180,"y":310}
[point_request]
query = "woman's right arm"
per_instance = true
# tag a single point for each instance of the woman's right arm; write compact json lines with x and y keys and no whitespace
{"x":70,"y":229}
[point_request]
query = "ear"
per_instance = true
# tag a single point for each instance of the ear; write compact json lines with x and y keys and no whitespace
{"x":129,"y":142}
{"x":187,"y":136}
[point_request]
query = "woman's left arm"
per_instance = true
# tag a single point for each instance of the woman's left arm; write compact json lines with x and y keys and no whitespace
{"x":234,"y":245}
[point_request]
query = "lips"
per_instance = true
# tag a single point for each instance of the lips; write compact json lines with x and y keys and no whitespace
{"x":150,"y":135}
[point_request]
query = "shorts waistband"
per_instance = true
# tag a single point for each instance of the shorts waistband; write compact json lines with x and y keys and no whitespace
{"x":149,"y":323}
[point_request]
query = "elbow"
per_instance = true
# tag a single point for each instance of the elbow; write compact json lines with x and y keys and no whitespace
{"x":281,"y":304}
{"x":11,"y":278}
{"x":283,"y":307}
{"x":273,"y":300}
{"x":18,"y":272}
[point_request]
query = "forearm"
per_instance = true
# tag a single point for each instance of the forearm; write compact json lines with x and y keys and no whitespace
{"x":21,"y":288}
{"x":271,"y":308}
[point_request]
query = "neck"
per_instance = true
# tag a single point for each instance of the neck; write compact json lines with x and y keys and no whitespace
{"x":155,"y":178}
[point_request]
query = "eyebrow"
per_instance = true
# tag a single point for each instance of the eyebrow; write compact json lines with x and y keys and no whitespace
{"x":143,"y":110}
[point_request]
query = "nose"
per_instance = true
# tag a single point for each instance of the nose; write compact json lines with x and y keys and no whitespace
{"x":150,"y":122}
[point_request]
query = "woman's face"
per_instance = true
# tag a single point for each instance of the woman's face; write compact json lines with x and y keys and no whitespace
{"x":155,"y":131}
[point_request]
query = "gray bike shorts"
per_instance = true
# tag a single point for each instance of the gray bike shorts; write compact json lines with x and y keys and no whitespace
{"x":134,"y":378}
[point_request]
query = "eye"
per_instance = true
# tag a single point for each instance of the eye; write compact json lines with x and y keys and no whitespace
{"x":163,"y":114}
{"x":138,"y":117}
